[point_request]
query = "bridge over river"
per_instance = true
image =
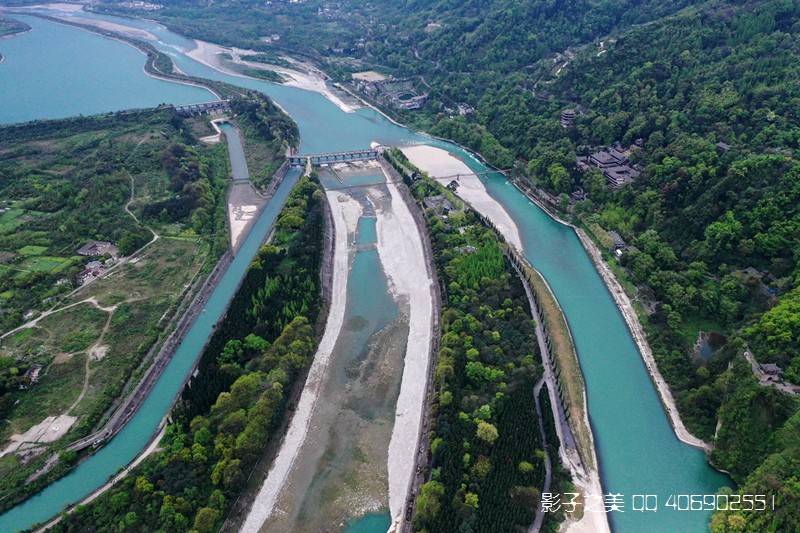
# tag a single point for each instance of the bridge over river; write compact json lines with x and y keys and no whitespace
{"x":334,"y":157}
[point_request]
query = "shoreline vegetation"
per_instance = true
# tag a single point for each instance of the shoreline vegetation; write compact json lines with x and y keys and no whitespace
{"x":475,"y":363}
{"x":10,"y":27}
{"x":342,"y":219}
{"x":583,"y":467}
{"x":252,"y":365}
{"x":632,"y":321}
{"x":149,"y":368}
{"x":612,"y":284}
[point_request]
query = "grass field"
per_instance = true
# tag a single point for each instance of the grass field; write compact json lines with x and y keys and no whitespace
{"x":46,"y":264}
{"x":140,"y":299}
{"x":32,"y":250}
{"x":10,"y":220}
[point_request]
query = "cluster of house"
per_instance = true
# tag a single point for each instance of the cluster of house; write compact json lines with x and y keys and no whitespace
{"x":144,"y":6}
{"x":31,"y":376}
{"x":440,"y":205}
{"x":95,"y":268}
{"x":771,"y":372}
{"x":400,"y":93}
{"x":614,"y":162}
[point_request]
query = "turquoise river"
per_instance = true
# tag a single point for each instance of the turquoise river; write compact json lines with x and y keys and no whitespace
{"x":56,"y":70}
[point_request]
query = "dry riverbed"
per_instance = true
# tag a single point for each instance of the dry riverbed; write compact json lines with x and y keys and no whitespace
{"x":352,"y":440}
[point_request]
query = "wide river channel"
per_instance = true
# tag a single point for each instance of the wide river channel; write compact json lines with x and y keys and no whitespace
{"x":57,"y":70}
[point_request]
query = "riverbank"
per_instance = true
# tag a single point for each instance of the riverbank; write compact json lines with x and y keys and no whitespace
{"x":309,"y":78}
{"x":345,"y":214}
{"x":151,"y":448}
{"x":582,"y":463}
{"x":563,"y":377}
{"x":418,"y":468}
{"x":637,"y":331}
{"x":444,"y":168}
{"x":402,"y":254}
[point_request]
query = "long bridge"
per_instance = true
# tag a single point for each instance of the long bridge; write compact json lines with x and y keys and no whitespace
{"x":333,"y":157}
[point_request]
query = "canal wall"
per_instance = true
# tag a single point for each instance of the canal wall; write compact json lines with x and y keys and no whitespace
{"x":634,"y":325}
{"x":637,"y":332}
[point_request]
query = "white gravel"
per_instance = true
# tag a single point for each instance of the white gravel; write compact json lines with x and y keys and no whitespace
{"x":440,"y":164}
{"x":345,"y":218}
{"x":401,"y":252}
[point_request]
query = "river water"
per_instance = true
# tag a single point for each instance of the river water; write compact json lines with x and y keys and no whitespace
{"x":239,"y":169}
{"x":637,"y":449}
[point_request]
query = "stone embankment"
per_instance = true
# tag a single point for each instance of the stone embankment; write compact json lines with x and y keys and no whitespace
{"x":628,"y":312}
{"x":637,"y":332}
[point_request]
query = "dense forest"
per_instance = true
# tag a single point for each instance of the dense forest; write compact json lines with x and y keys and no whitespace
{"x":487,"y":465}
{"x":238,"y":400}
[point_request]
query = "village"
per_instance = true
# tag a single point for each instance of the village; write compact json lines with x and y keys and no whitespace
{"x":399,"y":93}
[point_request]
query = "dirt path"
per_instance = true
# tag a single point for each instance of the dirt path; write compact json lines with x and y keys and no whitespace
{"x":32,"y":323}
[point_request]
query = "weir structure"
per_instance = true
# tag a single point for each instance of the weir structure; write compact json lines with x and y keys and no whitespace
{"x":333,"y":157}
{"x":193,"y":110}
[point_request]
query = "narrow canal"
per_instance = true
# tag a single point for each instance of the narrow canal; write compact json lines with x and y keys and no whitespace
{"x":637,"y":449}
{"x":239,"y":169}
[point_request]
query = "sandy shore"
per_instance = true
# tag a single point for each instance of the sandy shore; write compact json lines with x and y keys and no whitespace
{"x":635,"y":327}
{"x":128,"y":31}
{"x":439,"y":163}
{"x":71,"y":10}
{"x":345,"y":213}
{"x":244,"y":206}
{"x":595,"y":519}
{"x":309,"y":80}
{"x":401,"y":252}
